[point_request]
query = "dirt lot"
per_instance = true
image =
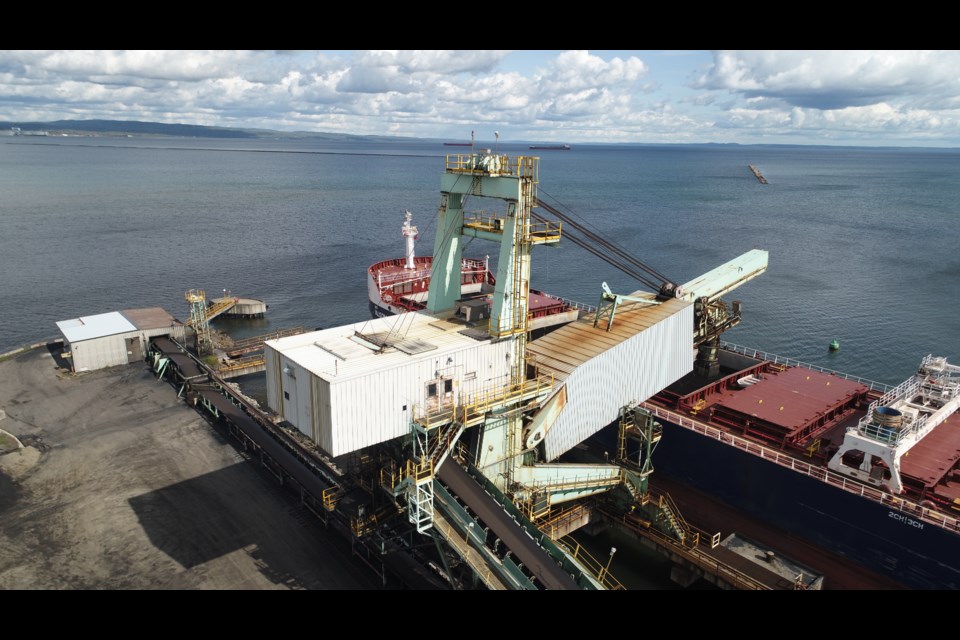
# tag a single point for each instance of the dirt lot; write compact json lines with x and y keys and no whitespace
{"x":122,"y":486}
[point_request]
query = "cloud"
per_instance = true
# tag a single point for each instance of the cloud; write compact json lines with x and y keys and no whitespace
{"x":835,"y":79}
{"x":564,"y":96}
{"x":160,"y":65}
{"x":375,"y":80}
{"x":435,"y":61}
{"x":577,"y":70}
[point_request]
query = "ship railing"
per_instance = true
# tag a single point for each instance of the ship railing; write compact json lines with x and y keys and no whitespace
{"x":888,"y":434}
{"x":906,"y":507}
{"x":906,"y":388}
{"x":790,"y":362}
{"x":391,"y":279}
{"x":582,"y":306}
{"x":469,"y":266}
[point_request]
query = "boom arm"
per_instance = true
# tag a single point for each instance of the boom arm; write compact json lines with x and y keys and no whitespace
{"x":727,"y":277}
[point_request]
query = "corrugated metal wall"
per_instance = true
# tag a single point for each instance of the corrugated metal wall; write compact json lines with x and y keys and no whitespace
{"x":177,"y":332}
{"x":289,"y":394}
{"x":631,"y":371}
{"x":379,"y":406}
{"x":300,"y":404}
{"x":274,"y":382}
{"x":97,"y":353}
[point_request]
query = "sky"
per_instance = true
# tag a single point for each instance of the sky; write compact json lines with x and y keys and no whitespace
{"x":864,"y":98}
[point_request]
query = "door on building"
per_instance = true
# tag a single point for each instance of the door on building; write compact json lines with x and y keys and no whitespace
{"x":134,"y":353}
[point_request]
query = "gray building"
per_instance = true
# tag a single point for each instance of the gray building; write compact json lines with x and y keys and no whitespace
{"x":118,"y":337}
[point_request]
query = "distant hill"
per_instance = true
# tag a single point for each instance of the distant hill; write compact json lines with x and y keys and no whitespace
{"x":134,"y":127}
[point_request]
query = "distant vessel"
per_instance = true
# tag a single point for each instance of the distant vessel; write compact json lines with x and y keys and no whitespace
{"x":458,"y":144}
{"x":17,"y":131}
{"x":551,"y":147}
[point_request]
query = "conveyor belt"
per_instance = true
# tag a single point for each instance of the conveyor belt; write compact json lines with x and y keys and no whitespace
{"x":290,"y":464}
{"x":534,"y":558}
{"x":185,"y":364}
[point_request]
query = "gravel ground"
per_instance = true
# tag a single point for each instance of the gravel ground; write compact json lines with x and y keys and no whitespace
{"x":121,"y":486}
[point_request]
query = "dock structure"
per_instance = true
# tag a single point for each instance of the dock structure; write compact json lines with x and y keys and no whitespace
{"x":389,"y":403}
{"x":245,"y":346}
{"x":236,"y":367}
{"x":734,"y":563}
{"x":756,"y":172}
{"x":243,"y":357}
{"x":241,"y":307}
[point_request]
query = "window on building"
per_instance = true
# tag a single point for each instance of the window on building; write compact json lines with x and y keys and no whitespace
{"x":286,"y":394}
{"x":432,"y":390}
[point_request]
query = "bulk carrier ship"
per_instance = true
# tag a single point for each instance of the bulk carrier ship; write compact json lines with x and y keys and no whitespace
{"x":857,"y":467}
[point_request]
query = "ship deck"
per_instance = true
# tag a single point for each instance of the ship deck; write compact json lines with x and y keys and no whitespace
{"x":805,"y":413}
{"x":791,"y":407}
{"x":934,"y":458}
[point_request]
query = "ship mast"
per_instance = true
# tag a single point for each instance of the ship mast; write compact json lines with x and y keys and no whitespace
{"x":409,"y":232}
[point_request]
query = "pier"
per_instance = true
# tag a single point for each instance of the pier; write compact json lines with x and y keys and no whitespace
{"x":729,"y":564}
{"x":239,"y":362}
{"x":756,"y":172}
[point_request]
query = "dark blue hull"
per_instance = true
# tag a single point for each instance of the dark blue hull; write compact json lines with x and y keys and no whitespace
{"x":913,"y":553}
{"x":379,"y":312}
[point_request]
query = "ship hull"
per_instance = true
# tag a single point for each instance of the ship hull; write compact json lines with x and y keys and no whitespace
{"x":913,"y":553}
{"x":379,"y":312}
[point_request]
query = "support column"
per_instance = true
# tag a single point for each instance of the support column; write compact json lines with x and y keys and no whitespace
{"x":447,"y":254}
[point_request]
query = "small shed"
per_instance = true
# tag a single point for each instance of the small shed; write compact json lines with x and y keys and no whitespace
{"x":118,"y":337}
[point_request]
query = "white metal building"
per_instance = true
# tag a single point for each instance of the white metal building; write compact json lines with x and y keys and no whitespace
{"x":346,"y":394}
{"x":118,"y":337}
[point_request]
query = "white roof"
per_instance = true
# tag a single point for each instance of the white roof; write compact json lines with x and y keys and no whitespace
{"x":88,"y":327}
{"x":334,"y":355}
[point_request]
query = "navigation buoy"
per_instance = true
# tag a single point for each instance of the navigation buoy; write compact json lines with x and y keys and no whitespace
{"x":835,"y":345}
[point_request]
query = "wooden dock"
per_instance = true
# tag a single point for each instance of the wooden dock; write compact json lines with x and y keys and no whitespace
{"x":757,"y":173}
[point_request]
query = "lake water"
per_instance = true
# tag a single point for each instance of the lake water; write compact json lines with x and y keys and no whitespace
{"x":863,"y":242}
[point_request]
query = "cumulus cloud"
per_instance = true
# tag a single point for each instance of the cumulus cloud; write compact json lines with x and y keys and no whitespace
{"x":434,"y":61}
{"x":375,"y":80}
{"x":835,"y":79}
{"x":576,"y":70}
{"x":564,"y":96}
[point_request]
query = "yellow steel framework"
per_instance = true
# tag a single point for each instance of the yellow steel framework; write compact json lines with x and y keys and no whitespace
{"x":598,"y":570}
{"x":198,"y":317}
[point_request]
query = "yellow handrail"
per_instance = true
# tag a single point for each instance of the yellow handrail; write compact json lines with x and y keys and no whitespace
{"x":594,"y":567}
{"x":474,"y":407}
